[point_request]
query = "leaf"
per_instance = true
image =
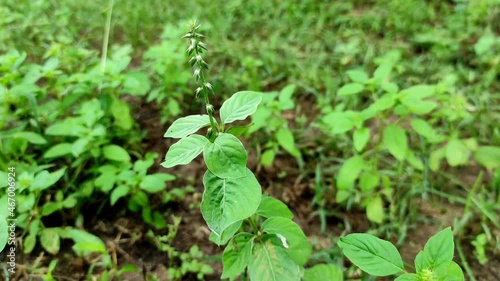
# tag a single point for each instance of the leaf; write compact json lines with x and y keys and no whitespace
{"x":119,"y":192}
{"x":435,"y":158}
{"x":417,"y":92}
{"x":4,"y":233}
{"x":488,"y":156}
{"x":285,"y":138}
{"x":50,"y":207}
{"x":44,"y":179}
{"x":358,"y":75}
{"x":425,"y":129}
{"x":439,"y":249}
{"x":408,"y":277}
{"x":360,"y":138}
{"x":457,"y":153}
{"x":349,"y":172}
{"x":451,"y":272}
{"x":296,"y":243}
{"x":375,"y":209}
{"x":238,"y":130}
{"x":30,"y":137}
{"x":368,"y":181}
{"x":350,"y":89}
{"x":395,"y":141}
{"x":226,"y":157}
{"x":29,"y":243}
{"x":285,"y":97}
{"x":154,"y":183}
{"x":239,"y":106}
{"x":79,"y":146}
{"x":121,"y":114}
{"x":136,"y":83}
{"x":227,"y":234}
{"x":267,"y":158}
{"x":50,"y":240}
{"x":270,"y":262}
{"x":339,"y":122}
{"x":228,"y":200}
{"x":58,"y":150}
{"x":186,"y":126}
{"x":323,"y":272}
{"x":184,"y":151}
{"x":371,"y":254}
{"x":270,"y":207}
{"x":115,"y":153}
{"x":237,"y":255}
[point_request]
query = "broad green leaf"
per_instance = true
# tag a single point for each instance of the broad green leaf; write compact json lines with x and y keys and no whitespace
{"x":408,"y":277}
{"x":115,"y":153}
{"x":89,"y":247}
{"x":439,"y":249}
{"x":385,"y":102}
{"x":51,"y":207}
{"x":238,"y":130}
{"x":285,"y":138}
{"x":371,"y":254}
{"x":79,"y":146}
{"x":50,"y":240}
{"x":44,"y":179}
{"x":226,"y":157}
{"x":29,"y":243}
{"x":360,"y":138}
{"x":154,"y":183}
{"x":414,"y":161}
{"x":285,"y":97}
{"x":272,"y":207}
{"x":67,"y":127}
{"x":358,"y":75}
{"x":425,"y":129}
{"x":421,"y":107}
{"x":323,"y":272}
{"x":451,"y":272}
{"x":296,"y":243}
{"x":267,"y":158}
{"x":350,"y":89}
{"x":416,"y":92}
{"x":488,"y":156}
{"x":375,"y":209}
{"x":121,"y":114}
{"x":395,"y":141}
{"x":435,"y":158}
{"x":119,"y":192}
{"x":136,"y":83}
{"x":229,"y":200}
{"x":184,"y":151}
{"x":239,"y":106}
{"x":368,"y":181}
{"x":339,"y":122}
{"x":186,"y":126}
{"x":270,"y":262}
{"x":349,"y":172}
{"x":31,"y":137}
{"x":4,"y":233}
{"x":58,"y":150}
{"x":457,"y":153}
{"x":237,"y":255}
{"x":227,"y":234}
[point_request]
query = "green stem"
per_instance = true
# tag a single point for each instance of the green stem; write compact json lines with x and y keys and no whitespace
{"x":254,"y":225}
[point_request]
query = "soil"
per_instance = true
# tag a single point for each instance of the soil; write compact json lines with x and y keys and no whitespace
{"x":124,"y":233}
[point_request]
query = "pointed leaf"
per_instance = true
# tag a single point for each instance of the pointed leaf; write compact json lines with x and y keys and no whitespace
{"x":271,"y":207}
{"x":184,"y":151}
{"x":395,"y":141}
{"x":115,"y":153}
{"x":50,"y":240}
{"x":360,"y":138}
{"x":229,"y":200}
{"x":408,"y":277}
{"x":488,"y":156}
{"x":237,"y":255}
{"x":226,"y":157}
{"x":349,"y":172}
{"x":323,"y":272}
{"x":186,"y":126}
{"x":350,"y":89}
{"x":457,"y":153}
{"x":270,"y":262}
{"x":375,"y":209}
{"x":439,"y":249}
{"x":371,"y":254}
{"x":285,"y":138}
{"x":240,"y":106}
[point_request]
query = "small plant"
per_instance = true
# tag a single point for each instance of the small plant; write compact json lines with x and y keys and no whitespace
{"x":378,"y":257}
{"x":259,"y":232}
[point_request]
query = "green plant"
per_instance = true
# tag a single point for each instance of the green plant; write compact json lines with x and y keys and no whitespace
{"x":380,"y":258}
{"x":258,"y":230}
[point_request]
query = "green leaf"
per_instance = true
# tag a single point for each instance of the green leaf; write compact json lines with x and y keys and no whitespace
{"x":339,"y":122}
{"x":184,"y":151}
{"x":408,"y":277}
{"x":425,"y":129}
{"x":375,"y":209}
{"x":4,"y":233}
{"x":414,"y":161}
{"x":226,"y":157}
{"x":30,"y":137}
{"x":186,"y":126}
{"x":227,"y":234}
{"x":270,"y":262}
{"x":451,"y":272}
{"x":50,"y":240}
{"x":435,"y":158}
{"x":229,"y":200}
{"x":368,"y":181}
{"x":79,"y":146}
{"x":44,"y":179}
{"x":115,"y":153}
{"x":358,"y":75}
{"x":421,"y":107}
{"x":270,"y":207}
{"x":50,"y":207}
{"x":349,"y":172}
{"x":371,"y":254}
{"x":29,"y":243}
{"x":285,"y":138}
{"x":154,"y":183}
{"x":457,"y":153}
{"x":121,"y":114}
{"x":360,"y":138}
{"x":296,"y":242}
{"x":239,"y":106}
{"x":323,"y":272}
{"x":395,"y":141}
{"x":136,"y":83}
{"x":58,"y":150}
{"x":439,"y":249}
{"x":237,"y":255}
{"x":409,"y":95}
{"x":119,"y":192}
{"x":488,"y":156}
{"x":285,"y":97}
{"x":267,"y":158}
{"x":350,"y":89}
{"x":238,"y":130}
